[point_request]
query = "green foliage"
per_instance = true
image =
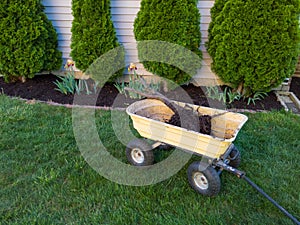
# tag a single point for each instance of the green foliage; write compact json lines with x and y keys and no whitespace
{"x":28,"y":41}
{"x":169,"y":21}
{"x":227,"y":96}
{"x":93,"y":33}
{"x":108,"y":66}
{"x":135,"y":84}
{"x":254,"y":44}
{"x":256,"y":97}
{"x":232,"y":96}
{"x":66,"y":85}
{"x":214,"y":93}
{"x":69,"y":85}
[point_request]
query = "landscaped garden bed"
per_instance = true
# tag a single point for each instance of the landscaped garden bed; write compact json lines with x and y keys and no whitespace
{"x":43,"y":88}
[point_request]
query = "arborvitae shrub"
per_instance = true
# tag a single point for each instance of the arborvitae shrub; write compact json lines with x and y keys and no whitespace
{"x":93,"y":32}
{"x":254,"y":44}
{"x":172,"y":21}
{"x":28,"y":41}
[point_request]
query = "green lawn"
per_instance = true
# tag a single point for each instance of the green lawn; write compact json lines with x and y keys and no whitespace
{"x":45,"y":180}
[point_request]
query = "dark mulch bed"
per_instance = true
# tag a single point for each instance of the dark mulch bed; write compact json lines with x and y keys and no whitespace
{"x":295,"y":86}
{"x":43,"y":88}
{"x":270,"y":102}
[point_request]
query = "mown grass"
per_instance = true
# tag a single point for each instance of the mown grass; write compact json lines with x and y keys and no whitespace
{"x":45,"y":180}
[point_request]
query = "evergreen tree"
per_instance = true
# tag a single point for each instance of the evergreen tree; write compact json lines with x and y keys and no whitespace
{"x":254,"y":44}
{"x":28,"y":41}
{"x":172,"y":21}
{"x":93,"y":32}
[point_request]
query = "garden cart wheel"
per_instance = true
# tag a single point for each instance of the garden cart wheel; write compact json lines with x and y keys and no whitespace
{"x":206,"y":182}
{"x":139,"y":153}
{"x":166,"y":147}
{"x":234,"y":158}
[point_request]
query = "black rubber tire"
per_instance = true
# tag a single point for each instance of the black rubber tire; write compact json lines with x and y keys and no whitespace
{"x":166,"y":147}
{"x":139,"y":153}
{"x":237,"y":161}
{"x":206,"y":182}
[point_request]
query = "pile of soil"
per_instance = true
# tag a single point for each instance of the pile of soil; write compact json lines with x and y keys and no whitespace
{"x":190,"y":121}
{"x":42,"y":88}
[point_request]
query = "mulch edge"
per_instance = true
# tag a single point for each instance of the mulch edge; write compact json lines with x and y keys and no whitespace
{"x":34,"y":101}
{"x":107,"y":108}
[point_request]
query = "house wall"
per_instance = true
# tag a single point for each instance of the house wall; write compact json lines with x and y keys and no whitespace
{"x":123,"y":15}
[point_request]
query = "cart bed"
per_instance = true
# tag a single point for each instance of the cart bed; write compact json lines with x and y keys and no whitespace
{"x":149,"y":116}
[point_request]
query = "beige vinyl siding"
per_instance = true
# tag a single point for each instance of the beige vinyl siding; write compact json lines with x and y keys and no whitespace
{"x":205,"y":76}
{"x":123,"y":16}
{"x":60,"y":13}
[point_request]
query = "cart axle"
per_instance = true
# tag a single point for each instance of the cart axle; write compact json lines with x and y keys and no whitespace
{"x":224,"y":166}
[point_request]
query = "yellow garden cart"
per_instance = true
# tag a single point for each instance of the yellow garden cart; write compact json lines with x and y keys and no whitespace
{"x":150,"y":118}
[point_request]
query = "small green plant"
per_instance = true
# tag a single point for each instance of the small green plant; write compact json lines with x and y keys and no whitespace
{"x":83,"y":85}
{"x":213,"y":93}
{"x":232,"y":96}
{"x":256,"y":97}
{"x":227,"y":96}
{"x":135,"y":84}
{"x":95,"y":85}
{"x":66,"y":85}
{"x":120,"y":87}
{"x":69,"y":85}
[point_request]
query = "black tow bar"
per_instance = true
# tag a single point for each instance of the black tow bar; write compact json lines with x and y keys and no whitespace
{"x":241,"y":175}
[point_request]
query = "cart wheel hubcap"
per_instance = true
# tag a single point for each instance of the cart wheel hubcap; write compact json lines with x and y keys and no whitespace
{"x":200,"y":180}
{"x":137,"y":155}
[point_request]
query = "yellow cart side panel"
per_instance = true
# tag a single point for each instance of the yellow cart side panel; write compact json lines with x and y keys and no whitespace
{"x":212,"y":146}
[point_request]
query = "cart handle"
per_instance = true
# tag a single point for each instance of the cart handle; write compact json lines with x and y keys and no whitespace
{"x":241,"y":174}
{"x":271,"y":200}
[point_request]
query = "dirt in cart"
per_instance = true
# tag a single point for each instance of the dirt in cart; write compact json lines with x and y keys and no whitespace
{"x":186,"y":118}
